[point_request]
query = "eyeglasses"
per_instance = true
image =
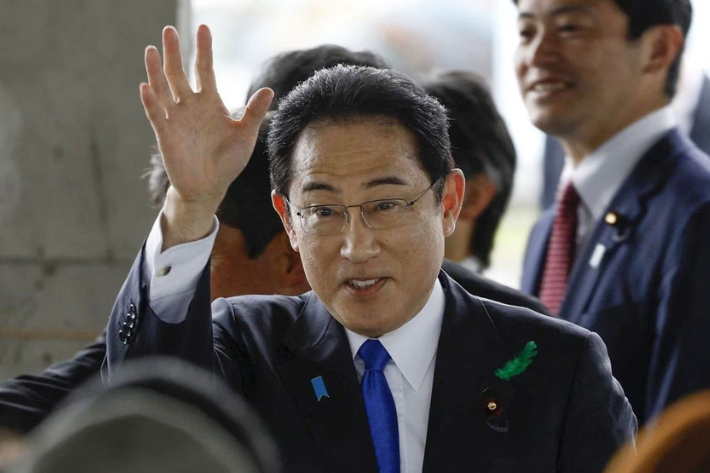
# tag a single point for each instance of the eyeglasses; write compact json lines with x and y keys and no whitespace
{"x":380,"y":214}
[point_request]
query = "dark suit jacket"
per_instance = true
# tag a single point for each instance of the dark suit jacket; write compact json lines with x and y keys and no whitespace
{"x":554,"y":157}
{"x":649,"y":297}
{"x":27,"y":400}
{"x":565,"y":413}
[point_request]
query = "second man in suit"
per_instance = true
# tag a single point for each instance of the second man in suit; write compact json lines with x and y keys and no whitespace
{"x":626,"y":250}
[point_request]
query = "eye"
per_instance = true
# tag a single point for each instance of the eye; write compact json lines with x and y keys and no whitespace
{"x":568,"y":29}
{"x":388,"y":205}
{"x":323,"y":211}
{"x":526,"y":33}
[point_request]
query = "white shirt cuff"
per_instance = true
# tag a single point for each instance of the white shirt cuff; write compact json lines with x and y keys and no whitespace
{"x":173,"y":274}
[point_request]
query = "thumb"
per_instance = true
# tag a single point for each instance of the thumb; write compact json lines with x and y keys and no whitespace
{"x":256,"y":109}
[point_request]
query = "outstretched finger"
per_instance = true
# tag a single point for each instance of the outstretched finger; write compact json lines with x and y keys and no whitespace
{"x":204,"y":71}
{"x":156,"y":79}
{"x":172,"y":65}
{"x":153,"y":109}
{"x":256,"y":109}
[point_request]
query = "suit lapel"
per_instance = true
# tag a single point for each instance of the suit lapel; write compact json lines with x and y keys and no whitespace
{"x":536,"y":252}
{"x":469,"y":351}
{"x":317,"y":347}
{"x":629,"y":205}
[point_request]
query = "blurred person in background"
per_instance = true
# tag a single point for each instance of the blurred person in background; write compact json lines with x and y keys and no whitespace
{"x":484,"y":151}
{"x":677,"y":442}
{"x":626,"y":250}
{"x":157,"y":416}
{"x":285,"y":71}
{"x":250,"y":241}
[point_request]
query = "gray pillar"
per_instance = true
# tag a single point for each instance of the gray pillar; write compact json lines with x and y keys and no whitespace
{"x":74,"y":143}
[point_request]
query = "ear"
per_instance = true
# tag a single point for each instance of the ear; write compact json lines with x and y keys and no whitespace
{"x":480,"y":191}
{"x":291,"y":275}
{"x":661,"y":45}
{"x":282,"y":209}
{"x":452,"y":200}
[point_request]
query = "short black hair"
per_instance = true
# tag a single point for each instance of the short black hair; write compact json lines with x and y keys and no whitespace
{"x":480,"y":144}
{"x":247,"y":204}
{"x":285,"y":71}
{"x":645,"y":14}
{"x":344,"y":94}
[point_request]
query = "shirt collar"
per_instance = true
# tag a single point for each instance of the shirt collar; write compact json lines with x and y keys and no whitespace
{"x":413,"y":345}
{"x":600,"y":175}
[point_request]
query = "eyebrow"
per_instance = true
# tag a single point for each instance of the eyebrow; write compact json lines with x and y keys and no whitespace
{"x":385,"y":181}
{"x":558,"y":11}
{"x":380,"y":181}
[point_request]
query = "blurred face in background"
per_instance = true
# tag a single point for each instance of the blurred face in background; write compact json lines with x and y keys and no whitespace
{"x":580,"y":76}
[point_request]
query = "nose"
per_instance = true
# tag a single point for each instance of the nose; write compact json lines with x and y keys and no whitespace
{"x":542,"y":50}
{"x":359,"y":240}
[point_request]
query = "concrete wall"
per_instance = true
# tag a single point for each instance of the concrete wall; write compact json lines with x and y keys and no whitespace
{"x":74,"y":143}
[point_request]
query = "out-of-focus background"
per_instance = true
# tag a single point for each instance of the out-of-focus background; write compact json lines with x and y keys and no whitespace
{"x":74,"y":141}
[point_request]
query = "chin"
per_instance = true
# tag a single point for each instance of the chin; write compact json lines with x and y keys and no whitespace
{"x":550,"y":123}
{"x":370,"y":328}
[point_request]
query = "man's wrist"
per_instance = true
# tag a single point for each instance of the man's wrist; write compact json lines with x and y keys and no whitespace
{"x":184,"y":222}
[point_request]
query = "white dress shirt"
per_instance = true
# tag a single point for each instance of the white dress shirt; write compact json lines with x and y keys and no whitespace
{"x":599,"y":176}
{"x":173,"y":275}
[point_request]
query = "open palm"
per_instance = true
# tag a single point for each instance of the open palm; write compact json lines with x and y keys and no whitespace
{"x":203,"y":148}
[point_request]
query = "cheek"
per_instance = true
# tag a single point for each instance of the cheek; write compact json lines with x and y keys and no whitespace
{"x":316,"y":257}
{"x":519,"y":66}
{"x":423,"y":238}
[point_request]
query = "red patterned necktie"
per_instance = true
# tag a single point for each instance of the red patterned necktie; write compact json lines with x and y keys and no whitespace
{"x":560,"y":251}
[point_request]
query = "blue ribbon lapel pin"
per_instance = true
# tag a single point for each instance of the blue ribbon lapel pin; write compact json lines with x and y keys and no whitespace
{"x":319,"y":388}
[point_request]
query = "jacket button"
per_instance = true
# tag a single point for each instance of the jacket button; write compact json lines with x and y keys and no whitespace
{"x":122,"y":336}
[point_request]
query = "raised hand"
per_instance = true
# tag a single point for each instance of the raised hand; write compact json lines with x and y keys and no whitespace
{"x":203,"y":148}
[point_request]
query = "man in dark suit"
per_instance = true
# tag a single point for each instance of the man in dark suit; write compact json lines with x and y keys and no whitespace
{"x":250,"y":240}
{"x":387,"y":365}
{"x":626,"y":251}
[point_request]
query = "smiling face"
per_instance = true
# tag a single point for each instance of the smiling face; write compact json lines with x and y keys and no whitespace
{"x":580,"y":76}
{"x":371,"y":281}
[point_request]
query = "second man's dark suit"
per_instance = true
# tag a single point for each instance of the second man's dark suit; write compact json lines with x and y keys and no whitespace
{"x":27,"y":400}
{"x":643,"y":283}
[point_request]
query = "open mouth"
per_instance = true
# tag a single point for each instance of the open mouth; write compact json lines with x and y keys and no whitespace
{"x":364,"y":287}
{"x":548,"y":88}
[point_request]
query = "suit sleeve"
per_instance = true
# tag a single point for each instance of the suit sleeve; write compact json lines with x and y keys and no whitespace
{"x":27,"y":400}
{"x":680,"y":361}
{"x":599,"y":418}
{"x":134,"y":330}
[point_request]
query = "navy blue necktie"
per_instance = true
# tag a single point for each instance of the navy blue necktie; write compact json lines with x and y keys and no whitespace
{"x":379,"y":404}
